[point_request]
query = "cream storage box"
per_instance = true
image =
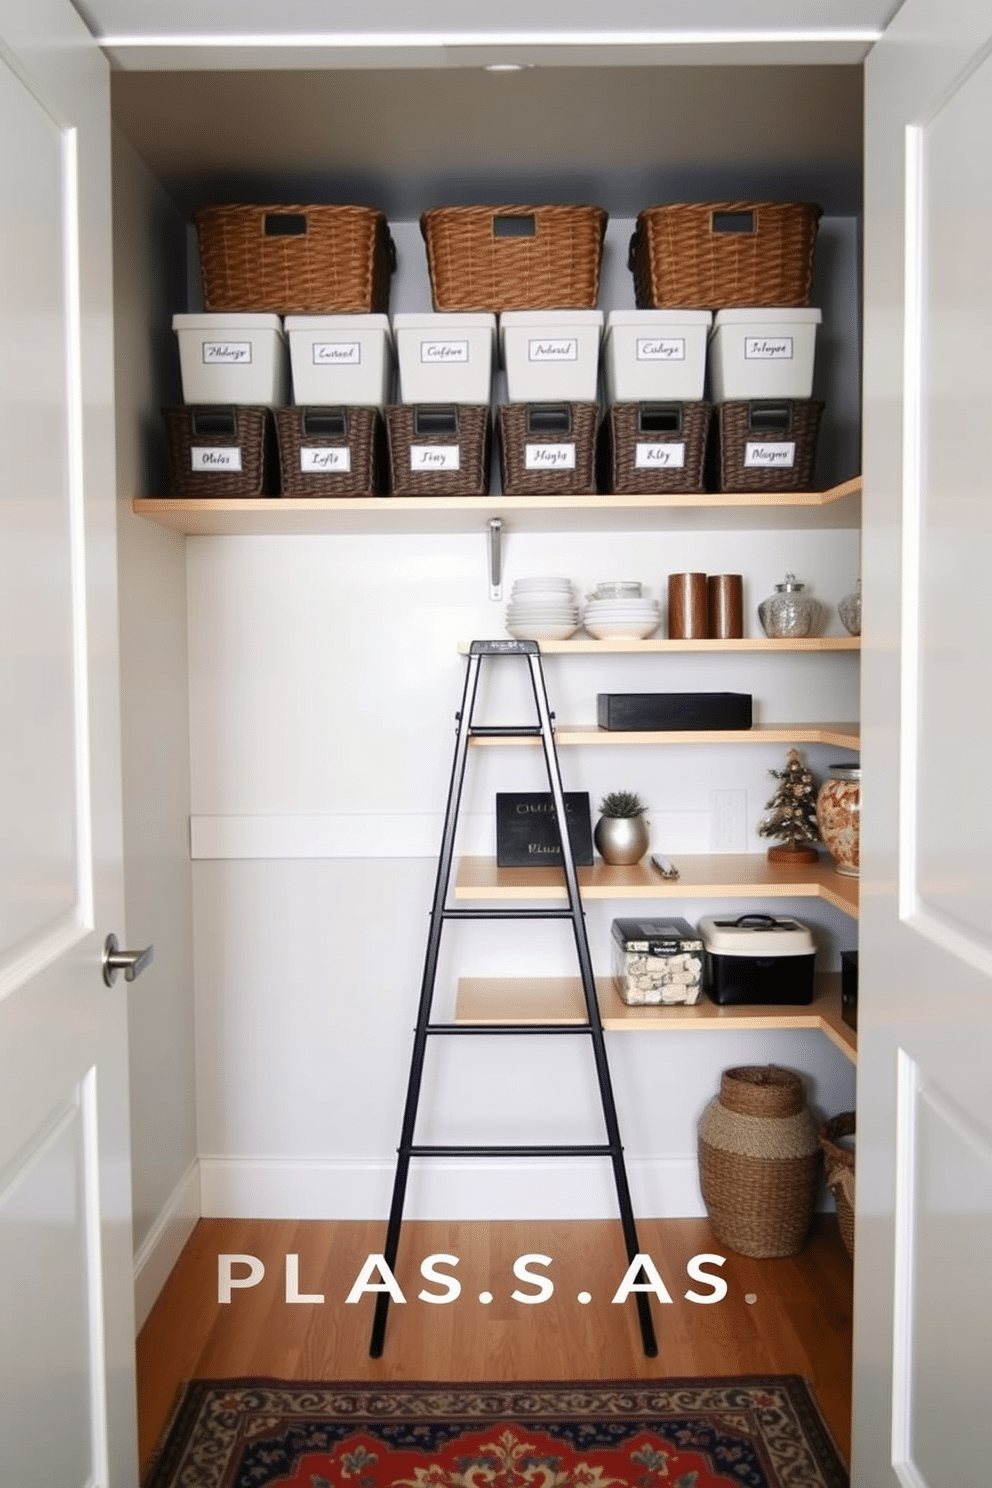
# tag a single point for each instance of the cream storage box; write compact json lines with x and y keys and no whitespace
{"x":551,"y":356}
{"x":232,"y":359}
{"x":655,"y":355}
{"x":345,"y":360}
{"x":755,"y":353}
{"x":445,"y":358}
{"x":757,"y":958}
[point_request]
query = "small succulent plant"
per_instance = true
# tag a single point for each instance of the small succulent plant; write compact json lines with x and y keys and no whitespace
{"x":622,"y":803}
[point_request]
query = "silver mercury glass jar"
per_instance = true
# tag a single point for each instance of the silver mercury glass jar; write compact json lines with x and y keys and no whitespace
{"x":849,"y":610}
{"x":791,"y":612}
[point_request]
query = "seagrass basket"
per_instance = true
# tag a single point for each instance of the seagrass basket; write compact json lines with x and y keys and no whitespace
{"x":326,"y":451}
{"x":220,"y":450}
{"x":765,"y":446}
{"x":653,"y":448}
{"x":295,"y":260}
{"x":438,"y":449}
{"x":548,"y":449}
{"x":759,"y":1161}
{"x":839,"y":1171}
{"x":714,"y":255}
{"x":514,"y":257}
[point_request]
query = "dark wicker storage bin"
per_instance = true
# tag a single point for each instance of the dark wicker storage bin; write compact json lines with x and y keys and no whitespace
{"x":652,"y":448}
{"x":293,"y":260}
{"x":220,"y":450}
{"x":712,"y":255}
{"x":548,"y":449}
{"x":839,"y":1170}
{"x":326,"y":451}
{"x":514,"y":257}
{"x":457,"y":432}
{"x":748,"y":434}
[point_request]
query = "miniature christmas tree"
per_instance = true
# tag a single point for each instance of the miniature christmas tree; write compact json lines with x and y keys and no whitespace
{"x":791,"y":818}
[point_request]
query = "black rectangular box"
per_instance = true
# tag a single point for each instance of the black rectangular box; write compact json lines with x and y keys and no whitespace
{"x":527,"y":832}
{"x":849,"y":988}
{"x":673,"y":710}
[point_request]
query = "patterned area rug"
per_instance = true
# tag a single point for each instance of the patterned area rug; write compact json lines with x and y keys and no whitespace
{"x":705,"y":1433}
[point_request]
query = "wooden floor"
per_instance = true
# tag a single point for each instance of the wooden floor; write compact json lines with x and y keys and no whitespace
{"x":789,"y":1316}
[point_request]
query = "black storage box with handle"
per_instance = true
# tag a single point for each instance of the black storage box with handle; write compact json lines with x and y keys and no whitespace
{"x":757,"y":959}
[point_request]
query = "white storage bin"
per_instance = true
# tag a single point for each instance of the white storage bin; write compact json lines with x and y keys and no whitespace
{"x":232,"y":359}
{"x":340,"y":359}
{"x":655,"y":354}
{"x":551,"y":356}
{"x":762,"y":353}
{"x":445,"y":358}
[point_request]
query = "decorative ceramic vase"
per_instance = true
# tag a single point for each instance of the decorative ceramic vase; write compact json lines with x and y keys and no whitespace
{"x":621,"y":839}
{"x":838,"y":813}
{"x":791,"y":612}
{"x":849,"y":611}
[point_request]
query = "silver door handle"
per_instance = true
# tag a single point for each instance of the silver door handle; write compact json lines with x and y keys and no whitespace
{"x":131,"y":963}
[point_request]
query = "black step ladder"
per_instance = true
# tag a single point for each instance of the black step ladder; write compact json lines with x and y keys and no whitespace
{"x":425,"y":1028}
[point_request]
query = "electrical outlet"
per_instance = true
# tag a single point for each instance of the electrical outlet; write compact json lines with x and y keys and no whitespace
{"x":729,"y":820}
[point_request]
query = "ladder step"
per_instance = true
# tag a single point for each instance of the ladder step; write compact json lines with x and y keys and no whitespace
{"x":494,"y":913}
{"x":505,"y":731}
{"x":518,"y":1028}
{"x":497,"y":1150}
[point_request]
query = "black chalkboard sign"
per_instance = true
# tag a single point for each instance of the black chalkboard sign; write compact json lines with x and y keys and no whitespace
{"x":527,"y":831}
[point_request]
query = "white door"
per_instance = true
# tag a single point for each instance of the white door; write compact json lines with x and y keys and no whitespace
{"x":66,"y":1275}
{"x":923,"y":1319}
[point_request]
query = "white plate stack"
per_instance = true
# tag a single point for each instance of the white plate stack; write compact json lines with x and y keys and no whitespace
{"x":618,"y":611}
{"x":542,"y":610}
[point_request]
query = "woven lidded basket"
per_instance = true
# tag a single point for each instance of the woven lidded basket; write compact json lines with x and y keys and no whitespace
{"x":295,"y":260}
{"x":766,"y":446}
{"x":839,"y":1171}
{"x":438,"y":449}
{"x":759,"y":1161}
{"x":714,"y":255}
{"x":548,"y":449}
{"x":220,"y":450}
{"x":326,"y":451}
{"x":653,"y":448}
{"x":514,"y":257}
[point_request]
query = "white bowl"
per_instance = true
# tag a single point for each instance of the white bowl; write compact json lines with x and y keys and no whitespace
{"x":619,"y":589}
{"x":542,"y":631}
{"x":605,"y":630}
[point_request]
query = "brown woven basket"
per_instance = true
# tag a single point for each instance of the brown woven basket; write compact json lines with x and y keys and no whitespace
{"x":326,"y":451}
{"x":712,"y":255}
{"x":839,"y":1171}
{"x":535,"y":437}
{"x":412,"y":428}
{"x":759,"y":1161}
{"x":514,"y":257}
{"x":235,"y":435}
{"x":744,"y":430}
{"x":652,"y":448}
{"x":295,"y":260}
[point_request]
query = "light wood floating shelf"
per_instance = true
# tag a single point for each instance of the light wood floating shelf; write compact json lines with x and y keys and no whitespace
{"x":843,"y":735}
{"x":702,"y":876}
{"x":294,"y":515}
{"x":525,"y":1000}
{"x":586,"y":646}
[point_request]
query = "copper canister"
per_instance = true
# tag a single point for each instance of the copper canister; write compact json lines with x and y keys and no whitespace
{"x":726,"y":606}
{"x":688,"y":618}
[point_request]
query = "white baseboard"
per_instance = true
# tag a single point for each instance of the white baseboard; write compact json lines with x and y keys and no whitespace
{"x":161,"y":1247}
{"x":579,"y":1188}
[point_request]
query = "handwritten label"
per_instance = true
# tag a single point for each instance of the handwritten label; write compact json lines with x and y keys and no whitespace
{"x":440,"y":353}
{"x":226,"y":353}
{"x":336,"y":353}
{"x":659,"y":457}
{"x":664,"y":349}
{"x":549,"y":456}
{"x":560,"y":349}
{"x":768,"y":349}
{"x":435,"y":457}
{"x":313,"y":458}
{"x":781,"y":452}
{"x":215,"y":457}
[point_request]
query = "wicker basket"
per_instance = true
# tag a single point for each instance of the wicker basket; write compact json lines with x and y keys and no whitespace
{"x":749,"y":433}
{"x":329,"y":451}
{"x":220,"y":450}
{"x":653,"y":448}
{"x":548,"y":449}
{"x":514,"y":258}
{"x":839,"y":1171}
{"x":459,"y":436}
{"x":759,"y":1161}
{"x":293,"y":260}
{"x":712,"y":255}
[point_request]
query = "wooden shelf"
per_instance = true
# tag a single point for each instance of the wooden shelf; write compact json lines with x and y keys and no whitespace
{"x":525,"y":1000}
{"x":842,"y":735}
{"x":703,"y":876}
{"x":247,"y":516}
{"x":585,"y":645}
